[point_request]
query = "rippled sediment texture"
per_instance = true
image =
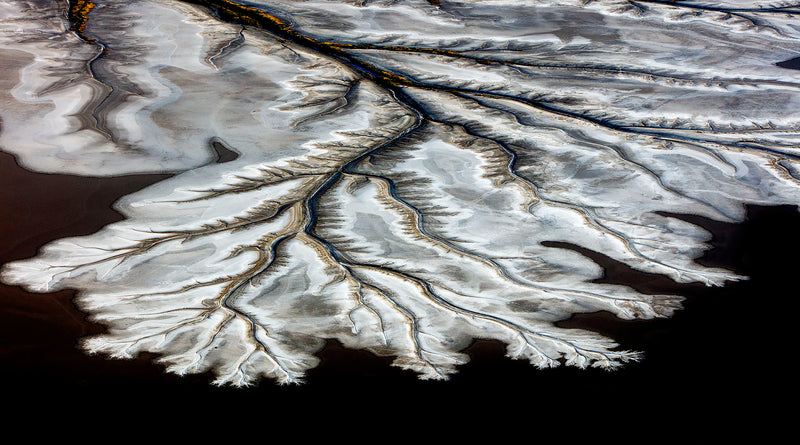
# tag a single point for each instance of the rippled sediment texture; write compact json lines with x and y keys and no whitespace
{"x":401,"y":167}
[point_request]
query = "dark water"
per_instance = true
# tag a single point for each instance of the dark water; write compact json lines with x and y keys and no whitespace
{"x":724,"y":353}
{"x":793,"y":64}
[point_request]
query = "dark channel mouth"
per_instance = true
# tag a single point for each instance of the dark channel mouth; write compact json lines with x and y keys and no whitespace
{"x":792,"y":64}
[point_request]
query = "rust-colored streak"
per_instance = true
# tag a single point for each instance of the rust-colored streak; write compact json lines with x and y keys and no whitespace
{"x":79,"y":16}
{"x":412,"y":49}
{"x":246,"y":15}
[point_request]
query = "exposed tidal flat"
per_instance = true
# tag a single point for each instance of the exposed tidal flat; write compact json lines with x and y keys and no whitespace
{"x":406,"y":183}
{"x":686,"y":370}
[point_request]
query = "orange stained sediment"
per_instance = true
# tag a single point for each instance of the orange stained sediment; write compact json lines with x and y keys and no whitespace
{"x":79,"y":16}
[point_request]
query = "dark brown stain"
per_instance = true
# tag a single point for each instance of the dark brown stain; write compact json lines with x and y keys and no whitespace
{"x":39,"y":208}
{"x":39,"y":332}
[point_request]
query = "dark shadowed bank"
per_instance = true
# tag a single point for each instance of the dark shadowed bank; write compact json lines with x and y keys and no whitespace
{"x":725,"y":353}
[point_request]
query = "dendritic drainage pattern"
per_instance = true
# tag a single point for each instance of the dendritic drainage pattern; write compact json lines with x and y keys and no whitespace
{"x":403,"y":171}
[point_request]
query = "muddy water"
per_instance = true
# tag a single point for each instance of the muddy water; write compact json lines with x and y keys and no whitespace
{"x":712,"y":354}
{"x":39,"y":331}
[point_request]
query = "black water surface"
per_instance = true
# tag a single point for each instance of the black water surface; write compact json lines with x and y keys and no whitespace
{"x":792,"y":64}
